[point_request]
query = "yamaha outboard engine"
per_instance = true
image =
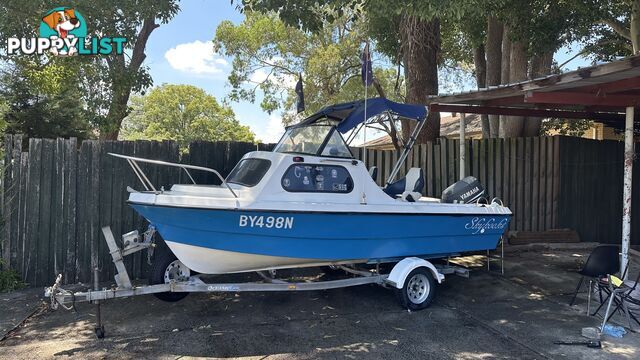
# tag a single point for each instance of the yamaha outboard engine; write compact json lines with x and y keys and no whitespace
{"x":465,"y":191}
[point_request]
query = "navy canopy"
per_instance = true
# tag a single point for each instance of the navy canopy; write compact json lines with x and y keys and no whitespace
{"x":351,"y":114}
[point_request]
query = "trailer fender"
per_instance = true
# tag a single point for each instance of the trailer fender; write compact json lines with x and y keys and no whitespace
{"x":402,"y":269}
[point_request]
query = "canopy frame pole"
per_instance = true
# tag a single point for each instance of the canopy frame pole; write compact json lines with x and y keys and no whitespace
{"x":353,"y":135}
{"x":405,"y":151}
{"x":364,"y":123}
{"x":462,"y":156}
{"x":629,"y":154}
{"x":392,"y":126}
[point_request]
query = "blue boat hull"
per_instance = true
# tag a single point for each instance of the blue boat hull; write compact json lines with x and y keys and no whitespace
{"x":326,"y":236}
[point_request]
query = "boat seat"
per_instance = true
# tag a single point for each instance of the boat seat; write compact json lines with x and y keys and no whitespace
{"x":409,"y":187}
{"x":373,"y":171}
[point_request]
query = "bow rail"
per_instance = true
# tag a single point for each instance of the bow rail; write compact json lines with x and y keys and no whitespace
{"x":148,"y":185}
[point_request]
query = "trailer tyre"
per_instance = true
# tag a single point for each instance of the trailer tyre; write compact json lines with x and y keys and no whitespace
{"x":418,"y":290}
{"x":167,"y":267}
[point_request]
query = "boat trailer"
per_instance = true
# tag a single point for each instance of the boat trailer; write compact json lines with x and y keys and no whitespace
{"x":134,"y":242}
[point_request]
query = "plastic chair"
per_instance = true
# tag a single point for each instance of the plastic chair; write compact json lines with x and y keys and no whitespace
{"x":603,"y":261}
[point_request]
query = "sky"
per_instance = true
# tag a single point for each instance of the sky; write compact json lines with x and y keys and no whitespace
{"x":181,"y":52}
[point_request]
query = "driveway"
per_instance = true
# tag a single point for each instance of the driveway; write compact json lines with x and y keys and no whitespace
{"x":515,"y":316}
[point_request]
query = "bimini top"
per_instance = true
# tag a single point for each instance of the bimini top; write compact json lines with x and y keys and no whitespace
{"x":346,"y":116}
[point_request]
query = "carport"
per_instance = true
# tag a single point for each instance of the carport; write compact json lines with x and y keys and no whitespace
{"x":606,"y":93}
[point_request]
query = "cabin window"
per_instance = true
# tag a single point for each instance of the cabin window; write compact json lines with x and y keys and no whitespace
{"x":249,"y":172}
{"x":317,"y":178}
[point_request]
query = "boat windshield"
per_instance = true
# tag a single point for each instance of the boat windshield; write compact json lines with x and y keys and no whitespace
{"x":319,"y":140}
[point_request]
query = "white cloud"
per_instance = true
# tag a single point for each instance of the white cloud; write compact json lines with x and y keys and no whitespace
{"x":272,"y":131}
{"x":195,"y":57}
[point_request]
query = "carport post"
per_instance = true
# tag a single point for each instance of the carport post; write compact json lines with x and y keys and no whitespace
{"x":629,"y":154}
{"x":462,"y":145}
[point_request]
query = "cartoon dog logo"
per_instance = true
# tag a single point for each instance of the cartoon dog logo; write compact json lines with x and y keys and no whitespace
{"x":62,"y":22}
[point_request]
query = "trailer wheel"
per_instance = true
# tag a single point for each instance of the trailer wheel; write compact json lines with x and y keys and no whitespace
{"x":418,"y":290}
{"x":167,"y":267}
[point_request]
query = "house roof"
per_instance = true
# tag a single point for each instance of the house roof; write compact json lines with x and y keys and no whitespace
{"x":600,"y":93}
{"x":449,"y":125}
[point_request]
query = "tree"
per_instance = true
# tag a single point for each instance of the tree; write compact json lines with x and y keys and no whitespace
{"x":39,"y":103}
{"x":183,"y":113}
{"x":519,"y":39}
{"x":623,"y":17}
{"x":416,"y":42}
{"x":106,"y":80}
{"x":268,"y":55}
{"x":406,"y":31}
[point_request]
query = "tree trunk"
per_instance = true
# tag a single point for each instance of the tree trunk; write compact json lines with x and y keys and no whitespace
{"x":513,"y":126}
{"x":420,"y":51}
{"x":635,"y":26}
{"x":540,"y":66}
{"x":506,"y":56}
{"x":480,"y":64}
{"x":118,"y":110}
{"x":121,"y":82}
{"x":505,"y":62}
{"x":494,"y":65}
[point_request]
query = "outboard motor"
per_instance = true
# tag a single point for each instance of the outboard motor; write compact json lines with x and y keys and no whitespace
{"x":464,"y":191}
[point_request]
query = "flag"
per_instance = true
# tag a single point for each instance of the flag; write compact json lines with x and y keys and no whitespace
{"x":365,"y":60}
{"x":300,"y":93}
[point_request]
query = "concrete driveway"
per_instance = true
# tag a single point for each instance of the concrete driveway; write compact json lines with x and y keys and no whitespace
{"x":516,"y":316}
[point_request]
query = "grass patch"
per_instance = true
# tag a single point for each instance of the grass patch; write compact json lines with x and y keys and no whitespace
{"x":10,"y":280}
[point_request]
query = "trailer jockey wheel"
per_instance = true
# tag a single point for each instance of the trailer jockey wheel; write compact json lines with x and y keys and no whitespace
{"x":166,"y":267}
{"x":418,"y":290}
{"x":99,"y":332}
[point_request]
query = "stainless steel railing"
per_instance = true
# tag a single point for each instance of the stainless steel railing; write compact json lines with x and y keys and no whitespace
{"x":133,"y":162}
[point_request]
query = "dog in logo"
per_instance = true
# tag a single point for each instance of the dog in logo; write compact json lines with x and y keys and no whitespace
{"x":62,"y":22}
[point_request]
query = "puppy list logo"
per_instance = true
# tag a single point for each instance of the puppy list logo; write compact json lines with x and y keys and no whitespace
{"x":63,"y":31}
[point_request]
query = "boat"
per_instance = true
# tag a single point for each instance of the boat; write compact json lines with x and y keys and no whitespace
{"x":310,"y":202}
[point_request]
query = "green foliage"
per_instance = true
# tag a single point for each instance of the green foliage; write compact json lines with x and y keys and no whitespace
{"x":9,"y":279}
{"x":307,"y":15}
{"x":565,"y":127}
{"x":103,"y":81}
{"x":183,"y":113}
{"x":543,"y":25}
{"x":38,"y":101}
{"x":601,"y":42}
{"x":4,"y":109}
{"x":268,"y":55}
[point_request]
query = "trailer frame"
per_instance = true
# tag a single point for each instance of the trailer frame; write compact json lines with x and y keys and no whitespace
{"x":134,"y":242}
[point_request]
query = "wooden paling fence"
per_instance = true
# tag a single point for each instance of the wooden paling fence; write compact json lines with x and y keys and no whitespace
{"x":58,"y":193}
{"x":523,"y":172}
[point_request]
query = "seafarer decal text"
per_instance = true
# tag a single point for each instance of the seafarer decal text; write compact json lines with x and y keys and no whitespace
{"x":480,"y":225}
{"x":278,"y":222}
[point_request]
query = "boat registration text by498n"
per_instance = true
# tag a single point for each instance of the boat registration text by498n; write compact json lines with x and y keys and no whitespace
{"x":278,"y":222}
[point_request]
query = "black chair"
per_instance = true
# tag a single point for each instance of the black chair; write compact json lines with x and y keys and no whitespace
{"x":604,"y":260}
